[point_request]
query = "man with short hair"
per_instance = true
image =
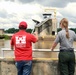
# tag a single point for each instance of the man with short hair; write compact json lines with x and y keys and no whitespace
{"x":22,"y":43}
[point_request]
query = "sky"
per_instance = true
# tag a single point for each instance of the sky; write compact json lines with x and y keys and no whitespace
{"x":12,"y":12}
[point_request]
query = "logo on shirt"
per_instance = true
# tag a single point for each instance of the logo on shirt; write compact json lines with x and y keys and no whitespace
{"x":20,"y":41}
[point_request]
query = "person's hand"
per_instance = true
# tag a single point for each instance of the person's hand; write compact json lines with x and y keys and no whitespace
{"x":35,"y":33}
{"x":51,"y":49}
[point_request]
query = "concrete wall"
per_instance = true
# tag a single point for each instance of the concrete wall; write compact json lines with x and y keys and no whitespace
{"x":41,"y":66}
{"x":7,"y":66}
{"x":1,"y":31}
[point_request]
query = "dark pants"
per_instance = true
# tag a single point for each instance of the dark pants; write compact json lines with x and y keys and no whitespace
{"x":24,"y":67}
{"x":67,"y":62}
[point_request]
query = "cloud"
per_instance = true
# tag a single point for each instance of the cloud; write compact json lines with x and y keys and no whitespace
{"x":7,"y":0}
{"x":2,"y":14}
{"x":14,"y":11}
{"x":52,"y":3}
{"x":69,"y":13}
{"x":25,"y":1}
{"x":49,"y":3}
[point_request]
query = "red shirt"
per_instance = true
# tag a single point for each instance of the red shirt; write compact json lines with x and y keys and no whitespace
{"x":22,"y":41}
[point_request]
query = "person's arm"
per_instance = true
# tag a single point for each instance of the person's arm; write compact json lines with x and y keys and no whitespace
{"x":55,"y":42}
{"x":12,"y":47}
{"x":36,"y":35}
{"x":74,"y":36}
{"x":53,"y":46}
{"x":12,"y":43}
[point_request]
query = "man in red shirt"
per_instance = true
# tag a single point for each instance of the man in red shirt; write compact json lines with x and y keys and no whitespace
{"x":22,"y":43}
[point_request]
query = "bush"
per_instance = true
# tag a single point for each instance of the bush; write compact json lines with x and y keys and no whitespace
{"x":6,"y":37}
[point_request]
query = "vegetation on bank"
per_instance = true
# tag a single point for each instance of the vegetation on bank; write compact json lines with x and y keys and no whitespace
{"x":13,"y":30}
{"x":74,"y":29}
{"x":6,"y":37}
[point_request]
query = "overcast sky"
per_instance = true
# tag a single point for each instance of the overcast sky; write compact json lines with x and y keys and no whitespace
{"x":12,"y":12}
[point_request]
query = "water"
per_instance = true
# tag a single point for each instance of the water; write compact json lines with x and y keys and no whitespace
{"x":38,"y":45}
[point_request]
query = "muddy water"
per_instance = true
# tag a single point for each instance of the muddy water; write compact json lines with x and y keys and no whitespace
{"x":38,"y":45}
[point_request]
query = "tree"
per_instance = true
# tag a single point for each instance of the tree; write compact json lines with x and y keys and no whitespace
{"x":59,"y":29}
{"x":13,"y":30}
{"x":29,"y":30}
{"x":74,"y":29}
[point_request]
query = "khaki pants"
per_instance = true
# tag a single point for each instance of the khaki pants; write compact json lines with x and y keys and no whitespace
{"x":67,"y":63}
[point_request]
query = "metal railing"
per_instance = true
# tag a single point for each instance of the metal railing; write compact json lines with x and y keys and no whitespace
{"x":34,"y":50}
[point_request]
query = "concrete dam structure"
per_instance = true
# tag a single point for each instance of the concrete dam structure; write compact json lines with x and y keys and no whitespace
{"x":49,"y":24}
{"x":41,"y":65}
{"x":47,"y":27}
